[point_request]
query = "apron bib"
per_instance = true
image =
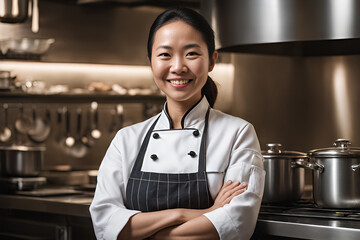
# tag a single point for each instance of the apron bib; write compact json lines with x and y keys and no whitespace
{"x":151,"y":191}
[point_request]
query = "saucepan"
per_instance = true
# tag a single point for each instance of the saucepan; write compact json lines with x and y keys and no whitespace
{"x":285,"y":178}
{"x":336,"y":175}
{"x":21,"y":161}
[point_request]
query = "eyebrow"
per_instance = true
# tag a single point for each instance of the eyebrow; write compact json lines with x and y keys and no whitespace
{"x":193,"y":45}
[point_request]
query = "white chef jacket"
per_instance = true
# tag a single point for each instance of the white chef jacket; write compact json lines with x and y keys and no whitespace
{"x":232,"y":153}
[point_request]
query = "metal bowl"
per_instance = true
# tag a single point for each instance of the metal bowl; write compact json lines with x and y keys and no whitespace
{"x":32,"y":46}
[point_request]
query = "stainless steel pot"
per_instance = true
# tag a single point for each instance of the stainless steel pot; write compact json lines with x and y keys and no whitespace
{"x":21,"y":161}
{"x":6,"y":80}
{"x":14,"y":11}
{"x":336,"y":175}
{"x":285,"y":178}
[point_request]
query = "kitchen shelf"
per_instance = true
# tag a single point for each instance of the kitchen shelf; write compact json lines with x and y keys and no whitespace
{"x":109,"y":97}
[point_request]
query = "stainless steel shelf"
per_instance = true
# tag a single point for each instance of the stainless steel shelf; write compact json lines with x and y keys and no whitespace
{"x":20,"y":97}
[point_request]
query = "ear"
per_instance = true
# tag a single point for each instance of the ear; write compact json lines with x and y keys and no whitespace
{"x":213,"y":61}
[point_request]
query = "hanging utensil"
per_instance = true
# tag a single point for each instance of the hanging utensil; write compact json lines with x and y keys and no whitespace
{"x":95,"y":132}
{"x":42,"y":127}
{"x":86,"y":139}
{"x":5,"y":132}
{"x":79,"y":150}
{"x":68,"y":141}
{"x":35,"y":17}
{"x":23,"y":123}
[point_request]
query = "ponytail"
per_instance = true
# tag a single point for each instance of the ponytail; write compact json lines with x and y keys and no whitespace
{"x":210,"y":91}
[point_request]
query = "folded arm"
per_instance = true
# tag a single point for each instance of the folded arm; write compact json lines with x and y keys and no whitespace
{"x":179,"y":223}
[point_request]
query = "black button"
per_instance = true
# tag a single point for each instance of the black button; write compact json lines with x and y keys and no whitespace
{"x":156,"y":135}
{"x":192,"y":154}
{"x":196,"y":133}
{"x":154,"y":157}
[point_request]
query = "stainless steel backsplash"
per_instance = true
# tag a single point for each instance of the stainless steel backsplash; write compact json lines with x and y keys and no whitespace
{"x":302,"y":103}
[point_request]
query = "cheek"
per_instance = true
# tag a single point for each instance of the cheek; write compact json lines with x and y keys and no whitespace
{"x":159,"y":69}
{"x":201,"y":69}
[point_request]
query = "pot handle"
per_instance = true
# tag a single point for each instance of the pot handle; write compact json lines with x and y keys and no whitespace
{"x":355,"y":167}
{"x":309,"y":165}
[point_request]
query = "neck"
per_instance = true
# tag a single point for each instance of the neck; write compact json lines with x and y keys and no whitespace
{"x":177,"y":110}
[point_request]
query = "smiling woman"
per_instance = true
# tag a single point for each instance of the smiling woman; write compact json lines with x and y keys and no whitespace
{"x":190,"y":172}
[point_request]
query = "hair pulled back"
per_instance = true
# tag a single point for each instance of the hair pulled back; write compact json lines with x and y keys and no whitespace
{"x":198,"y":22}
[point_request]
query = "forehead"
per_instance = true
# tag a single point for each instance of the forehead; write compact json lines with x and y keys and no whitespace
{"x":177,"y":32}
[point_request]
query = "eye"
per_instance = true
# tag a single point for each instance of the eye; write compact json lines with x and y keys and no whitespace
{"x":192,"y":54}
{"x":164,"y":55}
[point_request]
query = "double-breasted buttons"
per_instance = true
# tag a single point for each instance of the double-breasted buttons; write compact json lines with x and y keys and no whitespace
{"x":196,"y":133}
{"x":156,"y":136}
{"x":192,"y":154}
{"x":154,"y":157}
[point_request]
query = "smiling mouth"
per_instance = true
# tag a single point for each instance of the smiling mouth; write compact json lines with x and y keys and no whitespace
{"x":179,"y":82}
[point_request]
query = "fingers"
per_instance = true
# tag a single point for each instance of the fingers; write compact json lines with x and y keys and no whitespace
{"x":229,"y":190}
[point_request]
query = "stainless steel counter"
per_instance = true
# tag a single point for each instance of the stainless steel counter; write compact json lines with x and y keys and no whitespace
{"x":269,"y":224}
{"x":72,"y":205}
{"x":308,"y":228}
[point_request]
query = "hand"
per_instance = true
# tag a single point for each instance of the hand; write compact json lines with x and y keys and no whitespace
{"x":228,"y":191}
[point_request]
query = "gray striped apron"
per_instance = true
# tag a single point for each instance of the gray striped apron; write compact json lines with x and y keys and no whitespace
{"x":151,"y":191}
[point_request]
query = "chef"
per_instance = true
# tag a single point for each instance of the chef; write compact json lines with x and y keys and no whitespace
{"x":191,"y":171}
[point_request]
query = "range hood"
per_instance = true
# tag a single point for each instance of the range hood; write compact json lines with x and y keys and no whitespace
{"x":285,"y":27}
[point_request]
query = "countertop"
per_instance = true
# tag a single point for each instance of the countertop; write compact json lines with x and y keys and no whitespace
{"x":72,"y":205}
{"x":308,"y":228}
{"x":284,"y":226}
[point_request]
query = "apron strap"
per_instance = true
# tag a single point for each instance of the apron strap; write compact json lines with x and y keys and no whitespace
{"x":140,"y":157}
{"x":202,"y":154}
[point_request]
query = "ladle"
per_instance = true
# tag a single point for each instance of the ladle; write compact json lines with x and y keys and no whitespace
{"x":69,"y":140}
{"x":5,"y":133}
{"x":79,"y":150}
{"x":95,"y":132}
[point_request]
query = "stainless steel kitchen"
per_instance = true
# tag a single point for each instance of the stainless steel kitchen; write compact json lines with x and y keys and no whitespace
{"x":75,"y":72}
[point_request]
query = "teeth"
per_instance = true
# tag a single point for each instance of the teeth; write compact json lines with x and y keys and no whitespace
{"x":179,"y":82}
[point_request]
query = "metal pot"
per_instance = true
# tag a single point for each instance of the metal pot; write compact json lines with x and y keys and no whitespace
{"x":21,"y":161}
{"x":336,"y":175}
{"x":15,"y":11}
{"x":285,"y":178}
{"x":6,"y":80}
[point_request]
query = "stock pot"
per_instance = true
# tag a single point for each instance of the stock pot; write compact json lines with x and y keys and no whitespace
{"x":336,"y":175}
{"x":21,"y":161}
{"x":285,"y":178}
{"x":14,"y":11}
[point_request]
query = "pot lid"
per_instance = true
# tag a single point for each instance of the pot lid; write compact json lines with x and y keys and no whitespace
{"x":274,"y":151}
{"x":341,"y":149}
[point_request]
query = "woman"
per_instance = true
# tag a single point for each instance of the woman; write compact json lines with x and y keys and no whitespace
{"x":177,"y":175}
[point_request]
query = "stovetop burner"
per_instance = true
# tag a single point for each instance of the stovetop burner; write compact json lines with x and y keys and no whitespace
{"x":307,"y":208}
{"x":21,"y":183}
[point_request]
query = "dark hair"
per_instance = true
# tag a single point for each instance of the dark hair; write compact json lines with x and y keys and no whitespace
{"x":198,"y":22}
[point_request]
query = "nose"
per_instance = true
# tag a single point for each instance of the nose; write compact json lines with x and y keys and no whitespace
{"x":178,"y":65}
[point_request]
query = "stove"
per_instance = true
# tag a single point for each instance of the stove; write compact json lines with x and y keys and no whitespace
{"x":304,"y":220}
{"x":307,"y":208}
{"x":21,"y":183}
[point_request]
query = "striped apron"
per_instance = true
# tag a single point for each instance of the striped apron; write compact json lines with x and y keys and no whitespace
{"x":151,"y":191}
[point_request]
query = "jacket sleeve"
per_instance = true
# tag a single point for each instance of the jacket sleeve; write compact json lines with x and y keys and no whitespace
{"x":108,"y":212}
{"x":237,"y":220}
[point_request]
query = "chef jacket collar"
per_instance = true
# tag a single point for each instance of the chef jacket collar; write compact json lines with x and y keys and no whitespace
{"x":194,"y":115}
